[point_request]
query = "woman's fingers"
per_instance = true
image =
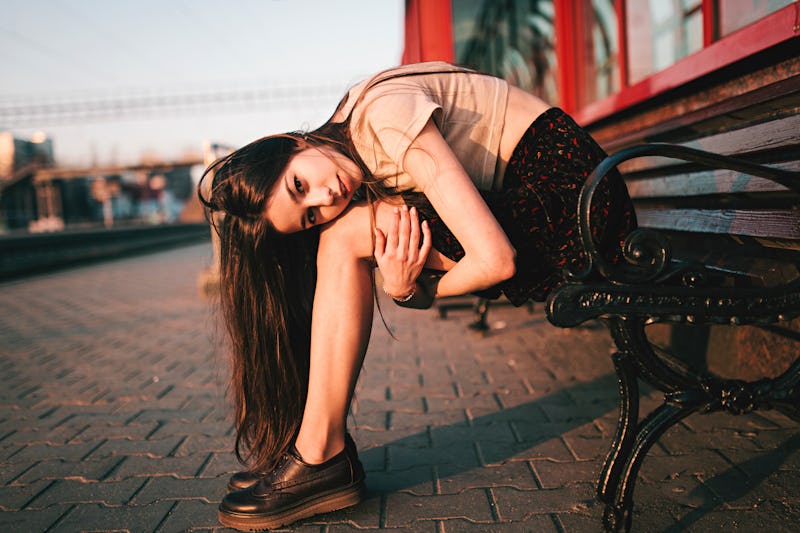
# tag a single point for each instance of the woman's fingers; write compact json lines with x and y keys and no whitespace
{"x":413,"y":235}
{"x":407,"y":239}
{"x":404,"y":233}
{"x":427,"y":243}
{"x":391,"y":238}
{"x":380,"y":243}
{"x":401,"y":252}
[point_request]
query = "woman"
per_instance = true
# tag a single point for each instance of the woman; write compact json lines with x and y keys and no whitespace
{"x":493,"y":172}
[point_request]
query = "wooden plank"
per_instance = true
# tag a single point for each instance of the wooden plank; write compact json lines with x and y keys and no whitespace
{"x":767,"y":223}
{"x":780,"y":136}
{"x":780,"y":133}
{"x":753,"y":94}
{"x":705,"y":182}
{"x":764,"y":104}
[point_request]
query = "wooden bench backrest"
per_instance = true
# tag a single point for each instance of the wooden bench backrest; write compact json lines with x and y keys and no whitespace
{"x":762,"y":125}
{"x":685,"y":197}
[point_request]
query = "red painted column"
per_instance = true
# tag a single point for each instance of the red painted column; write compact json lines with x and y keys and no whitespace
{"x":567,"y":32}
{"x":428,"y":31}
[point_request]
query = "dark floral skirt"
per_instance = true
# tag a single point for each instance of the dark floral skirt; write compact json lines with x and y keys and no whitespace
{"x":538,"y":208}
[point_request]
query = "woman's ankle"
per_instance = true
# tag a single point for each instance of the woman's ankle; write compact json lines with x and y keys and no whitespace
{"x":317,"y":447}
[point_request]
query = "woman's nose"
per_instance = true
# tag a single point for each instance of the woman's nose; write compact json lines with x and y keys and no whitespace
{"x":320,"y":196}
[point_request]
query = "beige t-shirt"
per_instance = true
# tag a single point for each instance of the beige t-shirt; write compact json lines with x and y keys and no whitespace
{"x":468,"y":109}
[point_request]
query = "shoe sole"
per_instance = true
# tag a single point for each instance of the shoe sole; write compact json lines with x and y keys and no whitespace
{"x":322,"y":504}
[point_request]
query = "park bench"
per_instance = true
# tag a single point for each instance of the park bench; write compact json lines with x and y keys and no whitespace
{"x":718,"y":242}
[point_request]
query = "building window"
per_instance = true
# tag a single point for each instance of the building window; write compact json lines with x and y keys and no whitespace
{"x":599,"y":61}
{"x":736,"y":14}
{"x":660,"y":32}
{"x":511,"y":39}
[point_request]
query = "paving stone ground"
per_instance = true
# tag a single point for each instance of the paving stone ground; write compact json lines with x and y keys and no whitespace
{"x":113,"y":417}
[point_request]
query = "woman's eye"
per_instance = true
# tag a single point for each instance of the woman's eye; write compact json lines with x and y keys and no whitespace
{"x":298,"y":186}
{"x":312,"y":218}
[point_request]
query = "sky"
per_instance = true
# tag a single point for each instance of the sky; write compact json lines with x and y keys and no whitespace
{"x":301,"y":54}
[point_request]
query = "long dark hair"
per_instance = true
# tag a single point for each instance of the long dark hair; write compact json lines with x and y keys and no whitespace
{"x":267,"y":282}
{"x":264,"y":297}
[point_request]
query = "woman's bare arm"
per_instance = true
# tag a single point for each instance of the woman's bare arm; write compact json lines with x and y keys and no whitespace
{"x":489,"y":255}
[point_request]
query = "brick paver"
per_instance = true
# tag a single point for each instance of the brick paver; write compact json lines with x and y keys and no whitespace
{"x":114,"y":418}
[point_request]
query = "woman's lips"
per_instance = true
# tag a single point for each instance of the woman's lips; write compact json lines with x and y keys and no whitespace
{"x":342,"y":189}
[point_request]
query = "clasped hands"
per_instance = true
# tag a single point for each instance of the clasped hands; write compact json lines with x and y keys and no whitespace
{"x":402,"y":253}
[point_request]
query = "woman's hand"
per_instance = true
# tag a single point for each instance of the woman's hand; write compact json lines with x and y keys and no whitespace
{"x":399,"y":255}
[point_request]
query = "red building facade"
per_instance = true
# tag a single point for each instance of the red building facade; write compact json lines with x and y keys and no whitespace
{"x":596,"y":58}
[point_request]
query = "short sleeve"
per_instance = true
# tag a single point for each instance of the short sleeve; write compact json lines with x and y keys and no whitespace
{"x":390,"y":118}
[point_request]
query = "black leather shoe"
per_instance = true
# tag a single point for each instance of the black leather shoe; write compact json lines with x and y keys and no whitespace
{"x":242,"y":480}
{"x":246,"y":479}
{"x":294,"y":490}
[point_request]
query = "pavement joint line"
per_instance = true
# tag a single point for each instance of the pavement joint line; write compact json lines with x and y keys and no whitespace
{"x":382,"y":512}
{"x":498,"y":400}
{"x":74,"y":438}
{"x":557,"y":522}
{"x":49,"y":412}
{"x":136,"y":492}
{"x":94,"y":449}
{"x":166,"y":516}
{"x":204,"y":465}
{"x":13,"y":480}
{"x":35,"y":496}
{"x":174,"y":450}
{"x":18,"y":450}
{"x":62,"y":518}
{"x":535,"y":475}
{"x":159,"y":424}
{"x":114,"y":468}
{"x":476,"y":446}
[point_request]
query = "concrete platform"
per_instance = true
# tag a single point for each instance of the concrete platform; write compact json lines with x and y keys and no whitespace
{"x":113,"y":417}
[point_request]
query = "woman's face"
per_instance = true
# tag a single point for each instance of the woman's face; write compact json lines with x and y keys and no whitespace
{"x":315,"y":187}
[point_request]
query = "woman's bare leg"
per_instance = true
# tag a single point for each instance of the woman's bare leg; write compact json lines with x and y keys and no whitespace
{"x":340,"y":328}
{"x":341,"y":323}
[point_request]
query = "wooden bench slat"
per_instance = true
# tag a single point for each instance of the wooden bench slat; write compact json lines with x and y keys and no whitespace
{"x":768,"y":223}
{"x":780,"y":136}
{"x":704,"y":182}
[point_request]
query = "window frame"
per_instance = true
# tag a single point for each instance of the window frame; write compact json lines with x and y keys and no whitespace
{"x":773,"y":29}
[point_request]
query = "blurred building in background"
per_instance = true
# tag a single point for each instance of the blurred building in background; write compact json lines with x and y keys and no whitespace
{"x":37,"y":196}
{"x":19,"y":160}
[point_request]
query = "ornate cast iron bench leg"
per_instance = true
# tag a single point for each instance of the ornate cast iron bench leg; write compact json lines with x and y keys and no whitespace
{"x":684,"y":393}
{"x":633,"y":439}
{"x":614,"y":517}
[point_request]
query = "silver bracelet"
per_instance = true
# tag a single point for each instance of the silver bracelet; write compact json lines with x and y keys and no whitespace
{"x":404,"y":298}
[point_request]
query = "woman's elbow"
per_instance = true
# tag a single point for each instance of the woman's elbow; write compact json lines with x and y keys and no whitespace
{"x":509,"y":264}
{"x":504,"y":264}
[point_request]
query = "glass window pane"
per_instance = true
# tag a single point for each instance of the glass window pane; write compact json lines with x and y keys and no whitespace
{"x":661,"y":32}
{"x":600,"y":65}
{"x":511,"y":39}
{"x":735,"y":14}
